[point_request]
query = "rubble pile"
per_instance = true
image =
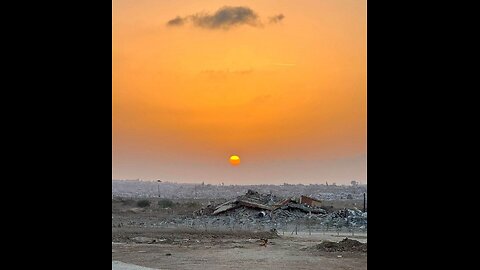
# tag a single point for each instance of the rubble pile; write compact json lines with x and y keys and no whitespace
{"x":346,"y":218}
{"x":208,"y":210}
{"x":251,"y":199}
{"x":344,"y":245}
{"x":262,"y":211}
{"x":255,"y":208}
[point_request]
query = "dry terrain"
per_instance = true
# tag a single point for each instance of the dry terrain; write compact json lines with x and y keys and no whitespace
{"x":192,"y":248}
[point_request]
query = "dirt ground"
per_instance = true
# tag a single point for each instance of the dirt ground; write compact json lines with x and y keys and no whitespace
{"x":239,"y":250}
{"x":175,"y":248}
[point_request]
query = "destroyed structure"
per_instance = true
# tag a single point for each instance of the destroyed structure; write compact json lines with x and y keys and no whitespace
{"x":310,"y":201}
{"x":255,"y":208}
{"x":263,"y":212}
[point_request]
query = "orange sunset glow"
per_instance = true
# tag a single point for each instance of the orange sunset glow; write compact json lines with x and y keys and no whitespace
{"x":281,"y":84}
{"x":235,"y":160}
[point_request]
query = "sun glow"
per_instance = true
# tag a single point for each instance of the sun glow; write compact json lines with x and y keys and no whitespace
{"x":235,"y":160}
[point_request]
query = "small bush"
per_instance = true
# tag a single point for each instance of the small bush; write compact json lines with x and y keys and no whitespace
{"x":165,"y":203}
{"x":143,"y":203}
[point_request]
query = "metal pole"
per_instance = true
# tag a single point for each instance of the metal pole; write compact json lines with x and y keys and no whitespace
{"x":364,"y":199}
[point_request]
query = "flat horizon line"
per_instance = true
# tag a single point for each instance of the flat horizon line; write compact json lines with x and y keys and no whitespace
{"x":258,"y":184}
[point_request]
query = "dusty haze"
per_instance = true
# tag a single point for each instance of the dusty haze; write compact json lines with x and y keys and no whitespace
{"x":280,"y":83}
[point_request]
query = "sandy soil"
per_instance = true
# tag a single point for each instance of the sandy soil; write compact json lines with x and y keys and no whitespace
{"x":116,"y":265}
{"x":202,"y":251}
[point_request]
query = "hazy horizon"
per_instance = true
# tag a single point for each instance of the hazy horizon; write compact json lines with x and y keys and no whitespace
{"x":256,"y":183}
{"x":281,"y":84}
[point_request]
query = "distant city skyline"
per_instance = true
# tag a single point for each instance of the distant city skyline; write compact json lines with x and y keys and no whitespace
{"x":134,"y":188}
{"x":331,"y":183}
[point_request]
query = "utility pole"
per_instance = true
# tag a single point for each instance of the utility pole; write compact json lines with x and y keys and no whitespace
{"x":364,"y":200}
{"x":158,"y":187}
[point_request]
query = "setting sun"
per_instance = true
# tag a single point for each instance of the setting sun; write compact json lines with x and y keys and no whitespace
{"x":235,"y":160}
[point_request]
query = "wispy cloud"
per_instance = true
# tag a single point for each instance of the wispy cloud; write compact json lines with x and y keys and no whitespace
{"x":277,"y":18}
{"x":224,"y":18}
{"x":178,"y":21}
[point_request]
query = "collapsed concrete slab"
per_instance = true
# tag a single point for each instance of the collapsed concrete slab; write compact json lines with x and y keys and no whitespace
{"x":225,"y":207}
{"x":268,"y":202}
{"x":251,"y":199}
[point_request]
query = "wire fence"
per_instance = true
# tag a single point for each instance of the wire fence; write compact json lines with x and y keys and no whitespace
{"x":282,"y":228}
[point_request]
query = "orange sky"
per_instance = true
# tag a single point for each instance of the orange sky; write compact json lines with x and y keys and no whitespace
{"x":288,"y":97}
